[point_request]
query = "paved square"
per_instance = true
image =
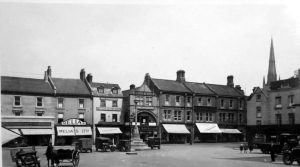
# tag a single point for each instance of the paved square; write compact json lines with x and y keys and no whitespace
{"x":171,"y":155}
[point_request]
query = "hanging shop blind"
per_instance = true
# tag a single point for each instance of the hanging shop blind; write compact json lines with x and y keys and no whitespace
{"x":208,"y":128}
{"x":176,"y":128}
{"x":109,"y":130}
{"x":231,"y":131}
{"x":37,"y":131}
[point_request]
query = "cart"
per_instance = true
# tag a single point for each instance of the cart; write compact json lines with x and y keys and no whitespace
{"x":66,"y":156}
{"x":85,"y":144}
{"x":154,"y":142}
{"x":26,"y":158}
{"x":124,"y":145}
{"x":104,"y":144}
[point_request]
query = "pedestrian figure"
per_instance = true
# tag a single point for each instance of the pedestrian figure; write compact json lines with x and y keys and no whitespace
{"x":245,"y":148}
{"x":241,"y":148}
{"x":251,"y":148}
{"x":272,"y":152}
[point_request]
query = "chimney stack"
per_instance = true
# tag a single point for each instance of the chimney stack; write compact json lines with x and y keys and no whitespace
{"x":180,"y":76}
{"x":89,"y":78}
{"x":238,"y":87}
{"x":82,"y":74}
{"x":49,"y":71}
{"x":132,"y":86}
{"x":230,"y":81}
{"x":46,"y":77}
{"x":147,"y":79}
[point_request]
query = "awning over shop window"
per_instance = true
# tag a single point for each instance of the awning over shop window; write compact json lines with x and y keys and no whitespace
{"x":176,"y":128}
{"x":73,"y":130}
{"x":83,"y":130}
{"x":109,"y":130}
{"x":36,"y":131}
{"x":208,"y":128}
{"x":7,"y":135}
{"x":231,"y":131}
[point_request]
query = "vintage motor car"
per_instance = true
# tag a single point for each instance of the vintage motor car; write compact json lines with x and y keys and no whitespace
{"x":291,"y":155}
{"x":27,"y":158}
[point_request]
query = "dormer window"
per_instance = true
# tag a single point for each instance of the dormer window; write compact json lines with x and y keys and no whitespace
{"x":100,"y":90}
{"x":258,"y":97}
{"x":114,"y":90}
{"x":208,"y":102}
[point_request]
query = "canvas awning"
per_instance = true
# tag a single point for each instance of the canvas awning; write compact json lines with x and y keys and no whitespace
{"x":208,"y":128}
{"x":73,"y":130}
{"x":7,"y":135}
{"x":231,"y":131}
{"x":36,"y":131}
{"x":109,"y":130}
{"x":176,"y":128}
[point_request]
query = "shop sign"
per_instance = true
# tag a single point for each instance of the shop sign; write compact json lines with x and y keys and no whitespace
{"x":73,"y":122}
{"x":82,"y":131}
{"x":65,"y":131}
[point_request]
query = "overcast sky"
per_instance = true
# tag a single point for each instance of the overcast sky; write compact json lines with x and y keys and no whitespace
{"x":120,"y":42}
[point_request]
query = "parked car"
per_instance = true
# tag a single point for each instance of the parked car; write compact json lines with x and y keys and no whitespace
{"x":291,"y":155}
{"x":153,"y":142}
{"x":85,"y":144}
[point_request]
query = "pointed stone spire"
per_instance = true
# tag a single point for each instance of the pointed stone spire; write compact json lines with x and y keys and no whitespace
{"x":272,"y":76}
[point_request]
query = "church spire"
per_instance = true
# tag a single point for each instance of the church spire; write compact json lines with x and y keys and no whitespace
{"x":272,"y":76}
{"x":264,"y":81}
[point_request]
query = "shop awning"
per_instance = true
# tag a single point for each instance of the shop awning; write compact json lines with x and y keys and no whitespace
{"x":7,"y":135}
{"x":231,"y":131}
{"x":176,"y":128}
{"x":65,"y":131}
{"x":109,"y":130}
{"x":36,"y":131}
{"x":208,"y":128}
{"x":83,"y":130}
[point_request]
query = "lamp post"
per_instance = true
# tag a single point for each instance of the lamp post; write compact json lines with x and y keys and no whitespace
{"x":136,"y":134}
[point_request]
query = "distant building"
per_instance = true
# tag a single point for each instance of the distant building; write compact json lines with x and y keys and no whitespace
{"x":107,"y":107}
{"x":190,"y":111}
{"x":275,"y":108}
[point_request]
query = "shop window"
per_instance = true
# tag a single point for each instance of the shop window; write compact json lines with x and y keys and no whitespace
{"x":168,"y":98}
{"x":291,"y":118}
{"x":291,"y":100}
{"x":148,"y":101}
{"x":81,"y":103}
{"x":102,"y":103}
{"x":278,"y":119}
{"x":199,"y":116}
{"x":208,"y":102}
{"x":39,"y":102}
{"x":115,"y":117}
{"x":60,"y":102}
{"x":167,"y":114}
{"x":17,"y":101}
{"x":188,"y":115}
{"x":258,"y":112}
{"x":103,"y":117}
{"x":115,"y":103}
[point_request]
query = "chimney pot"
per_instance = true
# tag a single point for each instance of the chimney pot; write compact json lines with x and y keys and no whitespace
{"x":89,"y":78}
{"x":132,"y":86}
{"x":180,"y":76}
{"x":82,"y":74}
{"x":49,"y":71}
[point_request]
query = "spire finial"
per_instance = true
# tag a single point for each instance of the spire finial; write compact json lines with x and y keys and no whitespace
{"x":272,"y":76}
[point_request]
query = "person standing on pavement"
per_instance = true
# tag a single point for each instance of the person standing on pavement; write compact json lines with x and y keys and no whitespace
{"x":272,"y":151}
{"x":241,"y":148}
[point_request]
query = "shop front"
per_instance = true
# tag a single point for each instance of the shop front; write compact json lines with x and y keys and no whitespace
{"x":34,"y":130}
{"x":230,"y":135}
{"x":174,"y":133}
{"x":71,"y":130}
{"x":207,"y":132}
{"x":147,"y":125}
{"x":113,"y":133}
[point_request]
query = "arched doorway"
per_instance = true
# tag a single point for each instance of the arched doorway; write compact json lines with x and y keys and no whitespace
{"x":147,"y":125}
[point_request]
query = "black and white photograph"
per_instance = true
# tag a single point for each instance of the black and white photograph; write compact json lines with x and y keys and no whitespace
{"x":150,"y":83}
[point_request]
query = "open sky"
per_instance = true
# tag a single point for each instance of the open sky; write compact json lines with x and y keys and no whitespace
{"x":120,"y":41}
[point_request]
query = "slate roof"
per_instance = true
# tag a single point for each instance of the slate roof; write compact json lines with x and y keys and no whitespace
{"x":170,"y":85}
{"x":70,"y":87}
{"x":199,"y":88}
{"x":25,"y":85}
{"x":224,"y":90}
{"x":105,"y":85}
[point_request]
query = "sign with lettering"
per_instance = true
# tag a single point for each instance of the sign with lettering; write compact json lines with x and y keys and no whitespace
{"x":73,"y":122}
{"x":65,"y":131}
{"x":83,"y":130}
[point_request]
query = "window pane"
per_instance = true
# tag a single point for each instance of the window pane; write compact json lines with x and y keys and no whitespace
{"x":39,"y":101}
{"x":115,"y":118}
{"x":81,"y":103}
{"x":17,"y":100}
{"x":60,"y":102}
{"x":115,"y":103}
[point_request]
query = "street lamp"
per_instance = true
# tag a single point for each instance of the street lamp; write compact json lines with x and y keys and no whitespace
{"x":136,"y":134}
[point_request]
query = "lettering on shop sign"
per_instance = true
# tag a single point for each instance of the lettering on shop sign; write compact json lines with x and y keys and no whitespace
{"x":74,"y":131}
{"x":73,"y":122}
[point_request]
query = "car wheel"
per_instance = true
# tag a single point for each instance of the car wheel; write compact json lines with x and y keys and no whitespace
{"x":298,"y":162}
{"x":287,"y":159}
